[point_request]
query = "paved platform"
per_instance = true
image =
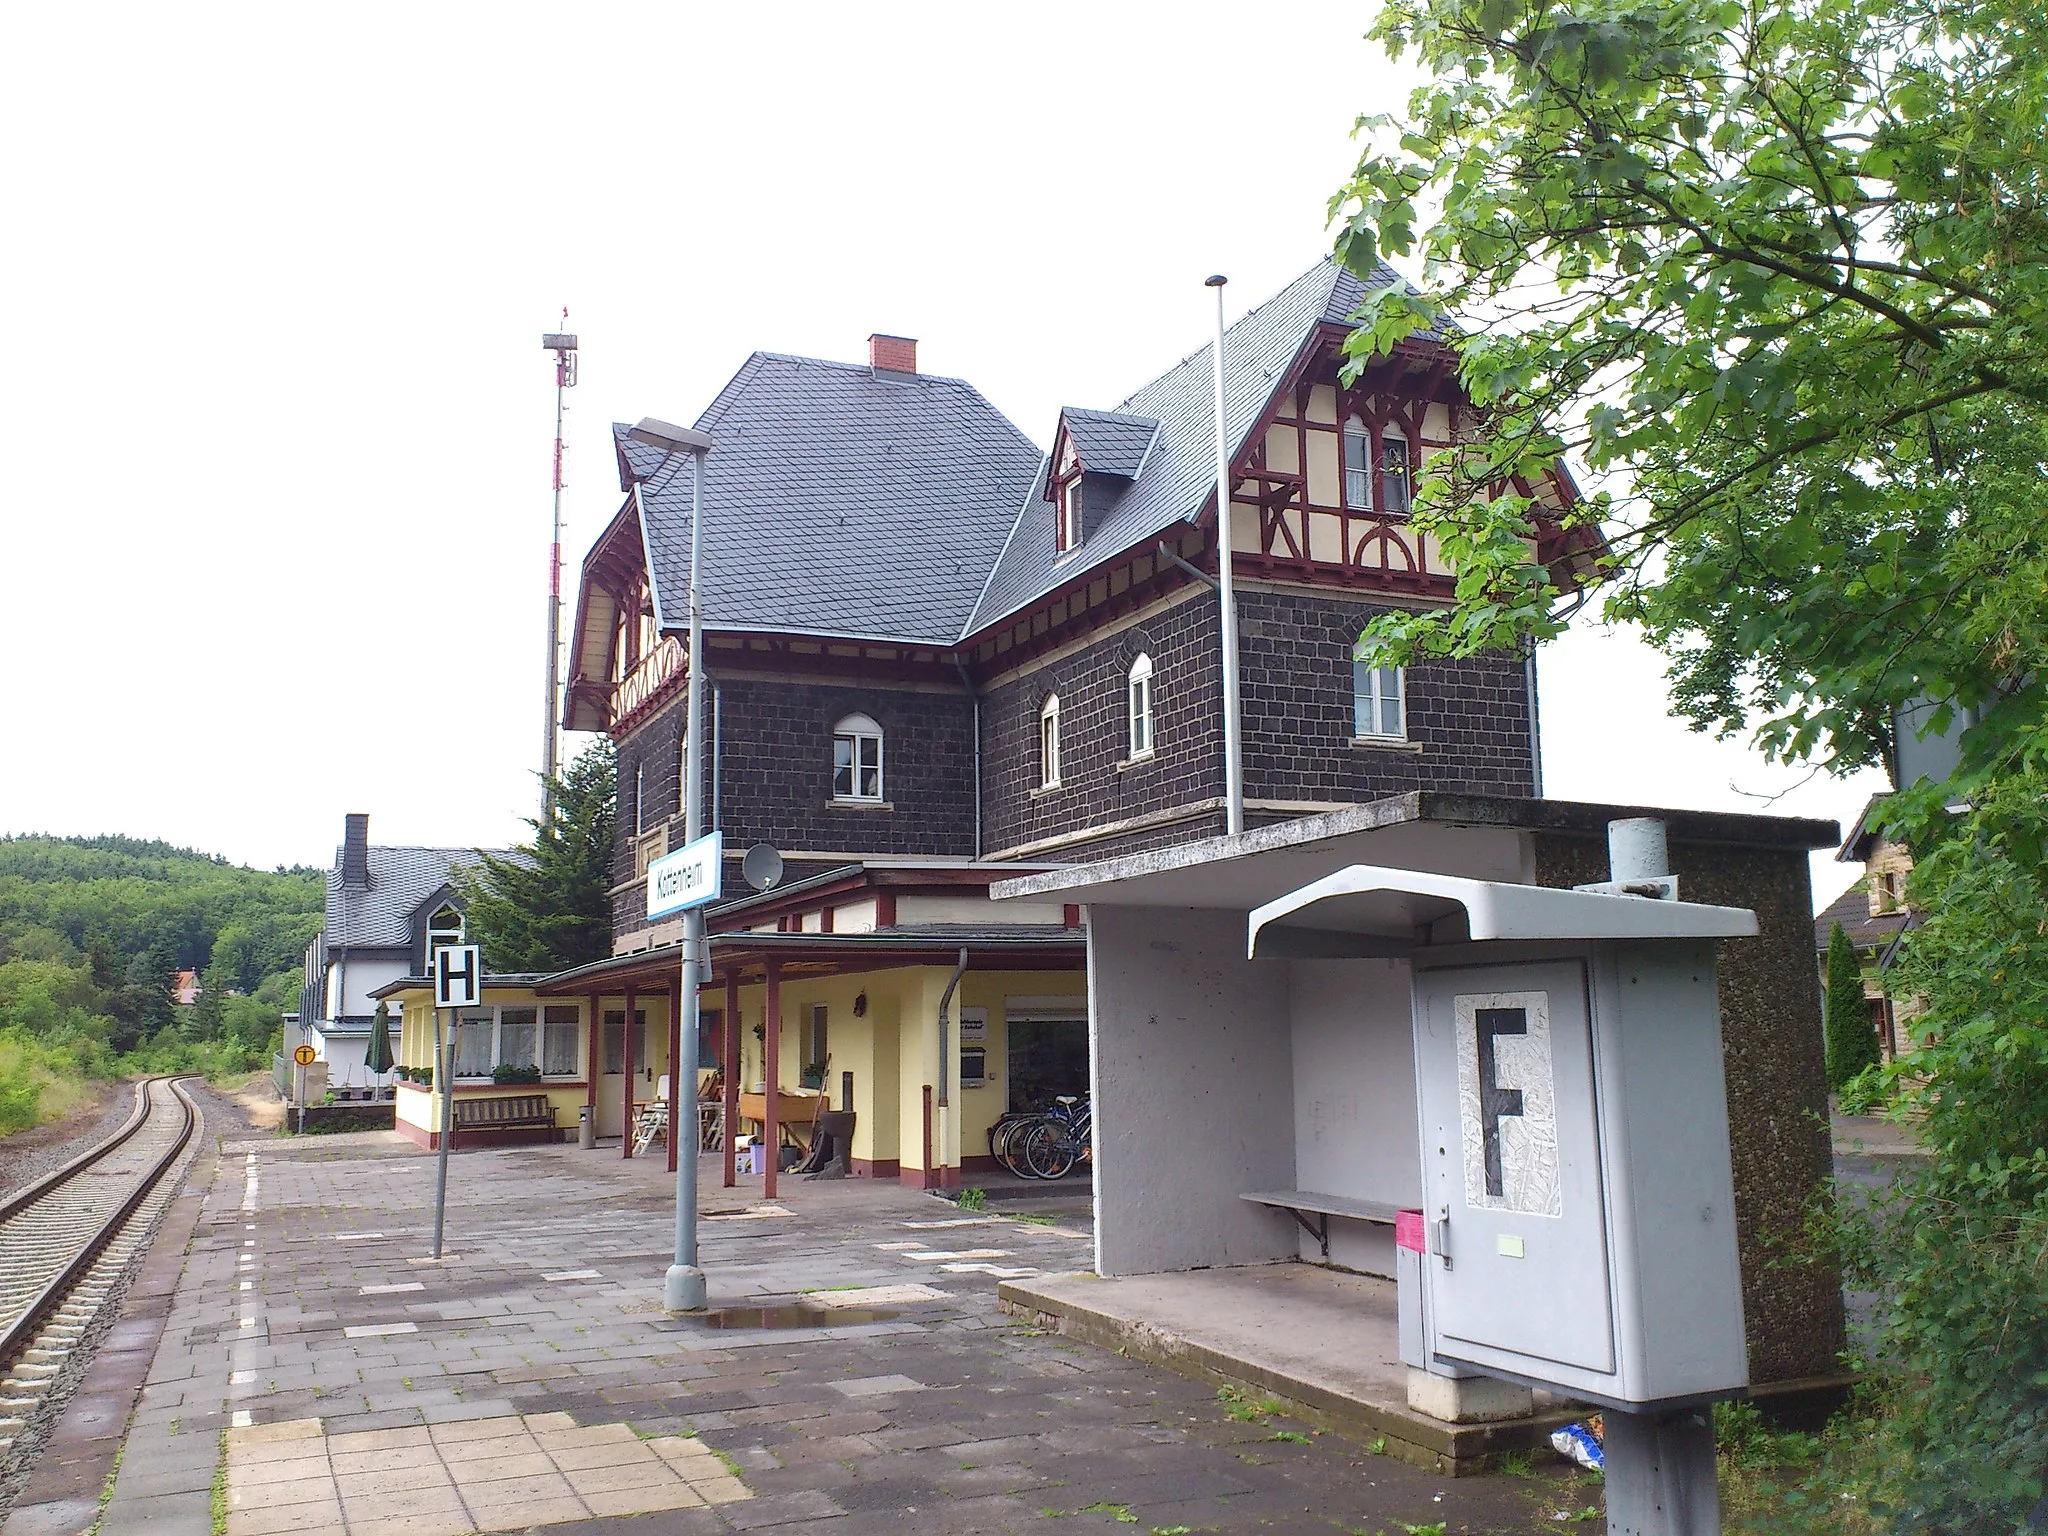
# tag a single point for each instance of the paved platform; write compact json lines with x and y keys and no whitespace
{"x":1324,"y":1341}
{"x":316,"y":1372}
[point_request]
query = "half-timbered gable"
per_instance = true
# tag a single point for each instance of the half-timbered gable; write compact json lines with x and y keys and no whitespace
{"x":1087,"y":596}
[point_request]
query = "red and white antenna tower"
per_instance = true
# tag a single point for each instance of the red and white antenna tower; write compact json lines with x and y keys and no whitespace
{"x":563,"y":345}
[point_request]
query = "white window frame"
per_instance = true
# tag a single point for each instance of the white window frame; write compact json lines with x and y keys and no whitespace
{"x":1391,"y":439}
{"x":856,"y":731}
{"x":441,"y":934}
{"x":1139,"y":692}
{"x":1371,"y":720}
{"x":639,"y":798}
{"x":1049,"y":742}
{"x":494,"y":1015}
{"x":1358,"y":491}
{"x":1070,"y":514}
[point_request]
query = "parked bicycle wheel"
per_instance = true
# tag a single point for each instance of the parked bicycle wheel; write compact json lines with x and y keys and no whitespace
{"x":1049,"y":1149}
{"x":1006,"y":1145}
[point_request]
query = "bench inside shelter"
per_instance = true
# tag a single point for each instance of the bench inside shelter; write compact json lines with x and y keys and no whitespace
{"x":518,"y":1112}
{"x":1302,"y":1204}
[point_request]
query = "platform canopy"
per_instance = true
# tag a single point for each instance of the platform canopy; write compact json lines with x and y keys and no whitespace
{"x":1371,"y":910}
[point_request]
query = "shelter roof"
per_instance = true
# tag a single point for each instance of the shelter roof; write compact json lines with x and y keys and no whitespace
{"x":838,"y":499}
{"x":1451,"y":834}
{"x":1014,"y":945}
{"x":497,"y":979}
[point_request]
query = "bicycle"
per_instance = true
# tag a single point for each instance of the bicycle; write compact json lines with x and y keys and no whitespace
{"x":1058,"y":1139}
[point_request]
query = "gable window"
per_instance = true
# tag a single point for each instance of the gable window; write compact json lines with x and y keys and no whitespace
{"x":1141,"y":707}
{"x":1395,"y":490}
{"x":444,"y":930}
{"x":639,"y":798}
{"x":1378,"y":701}
{"x":1049,"y":742}
{"x":1070,"y":514}
{"x":1357,"y":466}
{"x":857,"y":759}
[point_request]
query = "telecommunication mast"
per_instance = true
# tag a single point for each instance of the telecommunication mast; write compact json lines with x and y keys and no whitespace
{"x":563,"y":345}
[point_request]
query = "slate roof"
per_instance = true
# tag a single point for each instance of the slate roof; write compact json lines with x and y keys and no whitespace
{"x":836,"y":502}
{"x":1852,"y":910}
{"x":380,"y":917}
{"x":1180,"y":470}
{"x":1109,"y":442}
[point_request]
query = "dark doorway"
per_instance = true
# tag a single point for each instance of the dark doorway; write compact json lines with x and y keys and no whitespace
{"x":1047,"y":1058}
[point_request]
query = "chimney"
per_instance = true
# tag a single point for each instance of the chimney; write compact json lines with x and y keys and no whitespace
{"x":355,"y":850}
{"x":893,"y":354}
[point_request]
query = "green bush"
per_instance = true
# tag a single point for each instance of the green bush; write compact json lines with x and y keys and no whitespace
{"x":1867,"y":1093}
{"x":1851,"y":1039}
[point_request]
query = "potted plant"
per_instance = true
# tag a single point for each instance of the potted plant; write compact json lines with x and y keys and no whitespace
{"x":813,"y":1075}
{"x":505,"y":1072}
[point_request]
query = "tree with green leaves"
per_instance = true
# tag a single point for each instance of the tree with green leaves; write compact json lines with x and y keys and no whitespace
{"x":1776,"y":272}
{"x":550,"y":907}
{"x":1851,"y":1041}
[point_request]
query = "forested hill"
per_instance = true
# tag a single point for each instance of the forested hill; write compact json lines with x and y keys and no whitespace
{"x":92,"y":933}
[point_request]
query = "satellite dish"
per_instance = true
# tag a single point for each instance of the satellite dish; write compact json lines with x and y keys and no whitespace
{"x":762,"y":867}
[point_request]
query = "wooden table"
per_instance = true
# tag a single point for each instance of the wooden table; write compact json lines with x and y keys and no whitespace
{"x":795,"y":1114}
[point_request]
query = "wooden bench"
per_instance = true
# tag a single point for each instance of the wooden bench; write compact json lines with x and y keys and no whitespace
{"x":526,"y":1111}
{"x":1304,"y":1203}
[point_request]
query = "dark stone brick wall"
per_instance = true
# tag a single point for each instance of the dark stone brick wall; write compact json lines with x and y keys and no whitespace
{"x":1187,"y":760}
{"x":1471,"y":718}
{"x":775,"y":775}
{"x":1777,"y":1088}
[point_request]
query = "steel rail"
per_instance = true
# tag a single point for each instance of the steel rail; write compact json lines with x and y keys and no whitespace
{"x":22,"y":1331}
{"x":21,"y":1199}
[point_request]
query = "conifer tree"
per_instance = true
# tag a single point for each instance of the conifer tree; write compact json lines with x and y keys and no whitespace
{"x":550,"y":908}
{"x":1851,"y":1042}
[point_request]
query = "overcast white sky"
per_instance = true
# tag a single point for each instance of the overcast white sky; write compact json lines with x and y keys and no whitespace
{"x":277,"y":420}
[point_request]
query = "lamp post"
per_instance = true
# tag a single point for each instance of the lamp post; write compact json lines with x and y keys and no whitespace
{"x":683,"y":1289}
{"x":1233,"y":760}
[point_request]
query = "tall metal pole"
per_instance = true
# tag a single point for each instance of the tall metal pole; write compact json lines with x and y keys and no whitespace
{"x":684,"y":1288}
{"x":1233,"y":761}
{"x":564,"y":348}
{"x":444,"y":1078}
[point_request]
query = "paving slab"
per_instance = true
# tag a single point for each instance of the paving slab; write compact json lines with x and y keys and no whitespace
{"x":577,"y":1407}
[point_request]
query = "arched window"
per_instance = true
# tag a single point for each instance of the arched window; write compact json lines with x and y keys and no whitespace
{"x":1141,"y":707}
{"x":857,"y":759}
{"x":1049,"y":742}
{"x":1379,"y":700}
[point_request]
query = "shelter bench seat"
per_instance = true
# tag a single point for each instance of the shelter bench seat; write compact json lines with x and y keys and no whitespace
{"x":1301,"y":1204}
{"x":521,"y":1112}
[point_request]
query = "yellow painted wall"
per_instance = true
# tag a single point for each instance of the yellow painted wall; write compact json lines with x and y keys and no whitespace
{"x":892,"y":1050}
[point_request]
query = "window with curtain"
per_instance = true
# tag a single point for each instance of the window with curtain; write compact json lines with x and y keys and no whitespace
{"x":857,"y":759}
{"x":1140,"y":681}
{"x":1357,"y":466}
{"x":561,"y":1039}
{"x":518,"y":1037}
{"x":1049,"y":742}
{"x":475,"y":1044}
{"x":1378,"y":701}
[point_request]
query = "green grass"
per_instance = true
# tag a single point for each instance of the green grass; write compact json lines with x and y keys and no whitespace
{"x":972,"y":1199}
{"x":1121,"y":1513}
{"x":220,"y":1489}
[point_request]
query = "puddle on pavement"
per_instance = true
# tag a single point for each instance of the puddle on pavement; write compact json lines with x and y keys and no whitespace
{"x":793,"y":1317}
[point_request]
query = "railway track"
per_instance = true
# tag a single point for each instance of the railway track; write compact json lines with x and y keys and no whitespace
{"x":67,"y":1239}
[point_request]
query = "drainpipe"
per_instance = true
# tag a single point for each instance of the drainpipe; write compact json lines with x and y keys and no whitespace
{"x":975,"y":695}
{"x":945,"y":1075}
{"x":718,"y":741}
{"x":1535,"y":726}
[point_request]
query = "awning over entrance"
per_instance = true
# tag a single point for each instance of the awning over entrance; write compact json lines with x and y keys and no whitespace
{"x":746,"y":957}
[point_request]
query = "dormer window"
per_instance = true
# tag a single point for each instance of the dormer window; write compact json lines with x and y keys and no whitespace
{"x":444,"y":931}
{"x":1070,"y":514}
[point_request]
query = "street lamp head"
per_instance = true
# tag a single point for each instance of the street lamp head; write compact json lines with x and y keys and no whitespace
{"x":1215,"y":282}
{"x":651,"y":433}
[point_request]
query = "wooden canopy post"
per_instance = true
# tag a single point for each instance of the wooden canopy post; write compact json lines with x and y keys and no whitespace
{"x":675,"y":1074}
{"x":731,"y":1054}
{"x":626,"y":1129}
{"x":771,"y":1030}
